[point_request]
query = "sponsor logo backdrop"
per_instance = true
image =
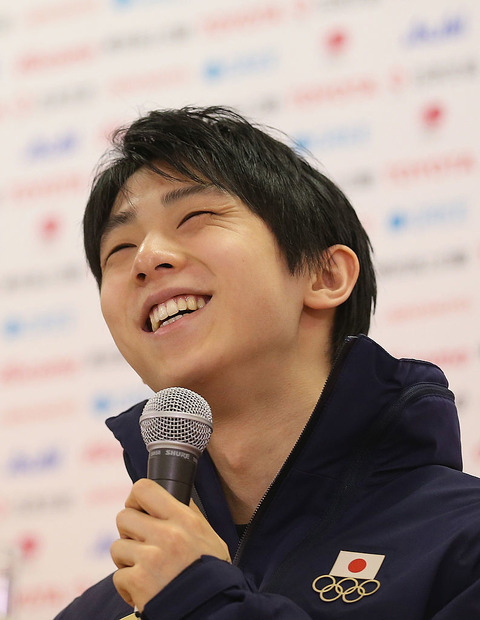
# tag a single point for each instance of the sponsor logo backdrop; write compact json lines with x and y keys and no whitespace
{"x":384,"y":94}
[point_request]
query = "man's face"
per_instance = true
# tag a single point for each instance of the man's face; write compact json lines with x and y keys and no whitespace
{"x":177,"y":249}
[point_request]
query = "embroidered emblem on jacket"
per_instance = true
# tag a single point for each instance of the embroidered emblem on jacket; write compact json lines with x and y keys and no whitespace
{"x":357,"y":572}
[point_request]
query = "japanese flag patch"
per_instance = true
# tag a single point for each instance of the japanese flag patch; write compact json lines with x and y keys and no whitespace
{"x":351,"y":578}
{"x":358,"y":565}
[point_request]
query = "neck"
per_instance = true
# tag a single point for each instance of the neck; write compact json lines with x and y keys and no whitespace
{"x":254,"y":435}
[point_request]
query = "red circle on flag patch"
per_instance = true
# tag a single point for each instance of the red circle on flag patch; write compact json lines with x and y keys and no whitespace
{"x":356,"y":566}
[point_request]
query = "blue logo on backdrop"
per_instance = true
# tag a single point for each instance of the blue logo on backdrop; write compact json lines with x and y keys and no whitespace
{"x":43,"y":148}
{"x":243,"y":65}
{"x":337,"y":137}
{"x":447,"y":28}
{"x":45,"y":461}
{"x":16,"y":327}
{"x":108,"y":403}
{"x":428,"y":216}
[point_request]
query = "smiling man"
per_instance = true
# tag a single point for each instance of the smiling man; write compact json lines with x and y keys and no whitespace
{"x":332,"y":484}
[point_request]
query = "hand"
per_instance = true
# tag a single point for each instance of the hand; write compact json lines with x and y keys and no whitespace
{"x":159,"y":538}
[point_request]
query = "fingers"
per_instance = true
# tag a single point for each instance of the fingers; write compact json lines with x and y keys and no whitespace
{"x":148,"y":508}
{"x":129,"y":583}
{"x":144,"y":569}
{"x":140,"y":571}
{"x":140,"y":494}
{"x":148,"y":496}
{"x":159,"y":537}
{"x":118,"y":582}
{"x":132,"y":524}
{"x":123,"y":552}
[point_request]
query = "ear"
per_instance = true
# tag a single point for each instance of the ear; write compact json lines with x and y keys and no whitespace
{"x":332,"y":284}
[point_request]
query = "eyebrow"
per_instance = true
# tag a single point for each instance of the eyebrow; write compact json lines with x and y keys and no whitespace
{"x":185,"y":191}
{"x":117,"y":220}
{"x":173,"y":196}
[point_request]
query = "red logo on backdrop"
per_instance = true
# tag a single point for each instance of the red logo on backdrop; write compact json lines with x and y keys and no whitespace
{"x":60,"y":10}
{"x":433,"y":115}
{"x":33,"y":62}
{"x":29,"y":545}
{"x":447,"y":357}
{"x":336,"y":41}
{"x":40,"y":189}
{"x":243,"y":19}
{"x":24,"y":413}
{"x":16,"y":106}
{"x":102,"y":452}
{"x":361,"y":86}
{"x":47,"y":369}
{"x":161,"y":78}
{"x":49,"y":228}
{"x":430,"y":309}
{"x":435,"y":166}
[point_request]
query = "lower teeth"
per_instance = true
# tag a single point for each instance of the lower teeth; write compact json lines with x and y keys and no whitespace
{"x":172,"y":320}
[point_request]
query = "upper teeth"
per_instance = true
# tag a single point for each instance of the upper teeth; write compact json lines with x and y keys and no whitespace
{"x":159,"y":313}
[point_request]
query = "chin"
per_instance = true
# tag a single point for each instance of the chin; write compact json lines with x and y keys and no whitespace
{"x":192,"y":381}
{"x":189,"y":373}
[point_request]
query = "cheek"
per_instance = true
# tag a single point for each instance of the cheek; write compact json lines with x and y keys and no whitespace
{"x":110,"y":305}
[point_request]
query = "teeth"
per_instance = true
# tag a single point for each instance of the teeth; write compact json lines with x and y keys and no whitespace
{"x":173,"y":319}
{"x":154,"y":320}
{"x":171,"y":308}
{"x":162,"y":312}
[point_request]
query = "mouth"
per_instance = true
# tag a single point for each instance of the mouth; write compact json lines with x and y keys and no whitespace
{"x":173,"y":310}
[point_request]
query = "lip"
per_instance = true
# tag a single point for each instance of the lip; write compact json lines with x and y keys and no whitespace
{"x":163,"y":296}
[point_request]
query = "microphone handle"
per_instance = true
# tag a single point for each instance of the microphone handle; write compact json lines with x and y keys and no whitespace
{"x":174,"y":469}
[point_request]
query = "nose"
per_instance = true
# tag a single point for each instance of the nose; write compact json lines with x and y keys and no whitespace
{"x":154,"y":257}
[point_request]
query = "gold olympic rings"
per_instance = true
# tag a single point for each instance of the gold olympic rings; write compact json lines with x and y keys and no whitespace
{"x":338,"y":589}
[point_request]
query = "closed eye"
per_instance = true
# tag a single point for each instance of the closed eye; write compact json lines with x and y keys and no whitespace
{"x":117,"y":248}
{"x":194,"y":214}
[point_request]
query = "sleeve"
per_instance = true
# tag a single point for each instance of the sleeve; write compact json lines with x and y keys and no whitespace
{"x":465,"y":605}
{"x":100,"y":601}
{"x":211,"y":588}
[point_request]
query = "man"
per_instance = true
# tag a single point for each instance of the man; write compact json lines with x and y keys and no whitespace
{"x":331,"y":486}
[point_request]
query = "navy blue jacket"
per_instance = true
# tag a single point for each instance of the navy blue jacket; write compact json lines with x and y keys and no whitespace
{"x":376,"y":471}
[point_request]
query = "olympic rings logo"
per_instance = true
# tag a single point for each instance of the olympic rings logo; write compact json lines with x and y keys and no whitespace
{"x":333,"y":590}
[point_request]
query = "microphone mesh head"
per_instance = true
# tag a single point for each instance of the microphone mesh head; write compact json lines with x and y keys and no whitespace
{"x":177,"y":415}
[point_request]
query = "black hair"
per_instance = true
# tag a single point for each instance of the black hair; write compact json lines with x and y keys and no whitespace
{"x":305,"y":210}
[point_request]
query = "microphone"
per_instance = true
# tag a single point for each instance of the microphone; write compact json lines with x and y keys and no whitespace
{"x":176,"y":425}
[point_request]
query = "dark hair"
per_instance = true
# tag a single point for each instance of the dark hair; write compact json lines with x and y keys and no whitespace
{"x":306,"y":212}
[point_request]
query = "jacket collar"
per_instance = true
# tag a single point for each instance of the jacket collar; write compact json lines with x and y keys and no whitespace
{"x":364,"y":381}
{"x":371,"y":399}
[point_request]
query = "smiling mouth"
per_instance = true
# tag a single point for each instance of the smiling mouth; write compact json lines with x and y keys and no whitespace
{"x":173,"y":310}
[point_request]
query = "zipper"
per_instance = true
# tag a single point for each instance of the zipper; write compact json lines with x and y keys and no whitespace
{"x":409,"y":394}
{"x":356,"y":469}
{"x":422,"y":389}
{"x":326,"y":390}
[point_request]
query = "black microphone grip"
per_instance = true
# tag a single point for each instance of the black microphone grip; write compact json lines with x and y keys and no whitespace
{"x":174,"y":469}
